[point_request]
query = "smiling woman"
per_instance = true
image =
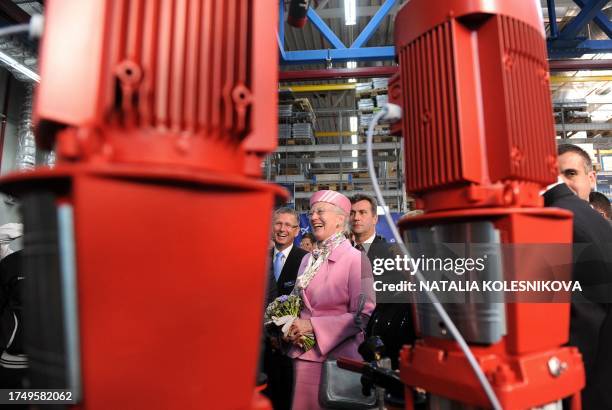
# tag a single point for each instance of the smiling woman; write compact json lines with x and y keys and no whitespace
{"x":331,"y":282}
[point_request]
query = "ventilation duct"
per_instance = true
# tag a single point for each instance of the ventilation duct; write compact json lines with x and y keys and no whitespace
{"x":26,"y":146}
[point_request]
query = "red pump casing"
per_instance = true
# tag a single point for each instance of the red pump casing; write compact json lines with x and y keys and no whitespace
{"x":479,"y":142}
{"x":160,"y":113}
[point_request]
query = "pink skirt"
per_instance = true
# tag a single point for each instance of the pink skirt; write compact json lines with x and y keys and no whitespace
{"x":307,"y":378}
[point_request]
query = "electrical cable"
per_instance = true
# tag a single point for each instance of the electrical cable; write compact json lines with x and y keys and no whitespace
{"x":392,"y":112}
{"x":15,"y":29}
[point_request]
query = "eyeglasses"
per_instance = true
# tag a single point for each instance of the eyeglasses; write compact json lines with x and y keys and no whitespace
{"x":317,"y":211}
{"x":279,"y":225}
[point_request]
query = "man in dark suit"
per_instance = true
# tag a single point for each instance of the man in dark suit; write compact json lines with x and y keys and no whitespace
{"x":392,"y":322}
{"x":285,"y":262}
{"x":590,"y":321}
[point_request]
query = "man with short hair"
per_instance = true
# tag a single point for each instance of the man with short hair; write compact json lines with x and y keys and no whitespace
{"x":392,"y":322}
{"x":601,"y":204}
{"x":285,"y":262}
{"x":576,"y":169}
{"x":363,"y":220}
{"x":286,"y":257}
{"x":591,"y":311}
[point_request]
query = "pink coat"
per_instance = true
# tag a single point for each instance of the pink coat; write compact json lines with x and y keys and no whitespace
{"x":331,"y":300}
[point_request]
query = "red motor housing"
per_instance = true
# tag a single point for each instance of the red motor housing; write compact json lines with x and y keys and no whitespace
{"x":160,"y":113}
{"x":479,"y":142}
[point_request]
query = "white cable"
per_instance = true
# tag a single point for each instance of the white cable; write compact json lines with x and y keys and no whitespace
{"x":14,"y":29}
{"x":393,"y":112}
{"x":34,"y":27}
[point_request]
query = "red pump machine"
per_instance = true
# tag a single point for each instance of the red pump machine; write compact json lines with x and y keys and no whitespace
{"x":160,"y":112}
{"x":479,"y":143}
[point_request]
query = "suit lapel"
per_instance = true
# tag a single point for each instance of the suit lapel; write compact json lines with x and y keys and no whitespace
{"x":272,"y":291}
{"x":372,"y":248}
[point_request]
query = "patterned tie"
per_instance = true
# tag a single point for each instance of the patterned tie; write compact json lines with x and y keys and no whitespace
{"x":278,"y":265}
{"x":360,"y":247}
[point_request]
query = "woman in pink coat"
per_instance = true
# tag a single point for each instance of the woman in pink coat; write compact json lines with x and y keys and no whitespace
{"x":330,"y":282}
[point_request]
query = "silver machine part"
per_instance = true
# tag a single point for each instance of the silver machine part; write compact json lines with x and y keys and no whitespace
{"x":65,"y":215}
{"x":480,"y":318}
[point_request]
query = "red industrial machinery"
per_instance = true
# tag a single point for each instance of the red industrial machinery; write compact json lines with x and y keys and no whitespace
{"x":479,"y":138}
{"x":160,"y":113}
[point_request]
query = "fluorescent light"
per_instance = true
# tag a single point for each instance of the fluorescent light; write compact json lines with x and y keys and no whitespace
{"x":354,"y":153}
{"x":350,"y":12}
{"x":353,"y":123}
{"x":354,"y":139}
{"x":350,"y":65}
{"x":17,"y":66}
{"x":354,"y":165}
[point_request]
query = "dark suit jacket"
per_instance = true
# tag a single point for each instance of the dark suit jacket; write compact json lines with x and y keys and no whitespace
{"x":286,"y":280}
{"x":392,"y":322}
{"x":591,"y":321}
{"x":380,"y":248}
{"x":277,"y":366}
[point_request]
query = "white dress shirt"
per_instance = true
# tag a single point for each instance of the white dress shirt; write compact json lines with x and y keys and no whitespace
{"x":366,"y":244}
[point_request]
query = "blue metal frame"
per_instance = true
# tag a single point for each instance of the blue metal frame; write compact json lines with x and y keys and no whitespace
{"x":586,"y":15}
{"x":356,"y":52}
{"x":552,"y":18}
{"x":561,"y":43}
{"x":565,"y":43}
{"x":369,"y":30}
{"x":600,"y":19}
{"x":280,"y":34}
{"x":324,"y":29}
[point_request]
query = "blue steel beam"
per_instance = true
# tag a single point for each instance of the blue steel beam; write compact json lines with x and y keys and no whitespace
{"x":560,"y":45}
{"x":345,"y":54}
{"x":369,"y":30}
{"x":324,"y":29}
{"x":576,"y":48}
{"x":588,"y":12}
{"x":600,"y":19}
{"x":552,"y":18}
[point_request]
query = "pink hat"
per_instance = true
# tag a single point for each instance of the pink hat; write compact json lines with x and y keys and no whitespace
{"x":332,"y":197}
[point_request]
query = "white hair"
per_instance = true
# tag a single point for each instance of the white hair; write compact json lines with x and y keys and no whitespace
{"x":346,"y":225}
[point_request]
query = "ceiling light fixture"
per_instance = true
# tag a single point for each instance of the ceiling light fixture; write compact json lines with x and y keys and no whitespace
{"x":350,"y":12}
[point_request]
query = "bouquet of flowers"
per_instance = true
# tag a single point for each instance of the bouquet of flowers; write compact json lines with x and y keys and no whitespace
{"x":282,"y":312}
